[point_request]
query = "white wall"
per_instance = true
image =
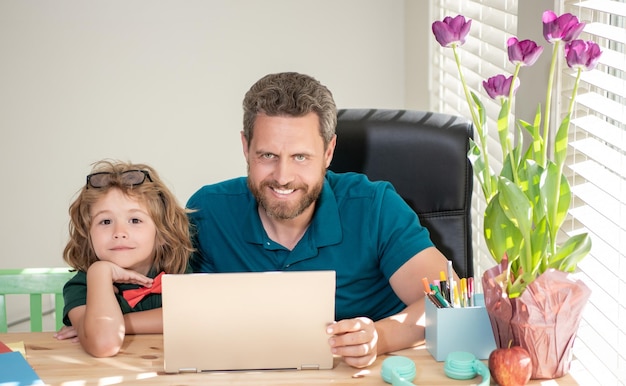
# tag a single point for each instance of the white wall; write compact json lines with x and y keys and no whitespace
{"x":161,"y":82}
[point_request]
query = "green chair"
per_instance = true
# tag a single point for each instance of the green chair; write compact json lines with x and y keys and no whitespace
{"x":34,"y":282}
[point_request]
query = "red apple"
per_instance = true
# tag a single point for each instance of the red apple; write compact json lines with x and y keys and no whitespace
{"x":510,"y":366}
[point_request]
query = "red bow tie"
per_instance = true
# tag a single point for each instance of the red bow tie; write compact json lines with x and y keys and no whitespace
{"x":134,"y":296}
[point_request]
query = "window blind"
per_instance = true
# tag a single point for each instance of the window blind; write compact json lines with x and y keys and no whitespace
{"x":596,"y":164}
{"x":597,"y":168}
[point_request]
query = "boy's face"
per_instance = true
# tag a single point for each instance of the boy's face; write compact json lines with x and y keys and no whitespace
{"x":286,"y":164}
{"x":123,"y":232}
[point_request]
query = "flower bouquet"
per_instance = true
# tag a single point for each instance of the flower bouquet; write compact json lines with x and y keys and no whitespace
{"x":530,"y":297}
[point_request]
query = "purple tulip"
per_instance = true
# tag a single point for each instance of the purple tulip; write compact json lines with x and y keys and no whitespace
{"x":525,"y":52}
{"x":451,"y":30}
{"x":499,"y":86}
{"x":565,"y":27}
{"x":582,"y":54}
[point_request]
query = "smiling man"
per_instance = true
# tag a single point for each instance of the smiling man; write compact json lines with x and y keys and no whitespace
{"x":291,"y":214}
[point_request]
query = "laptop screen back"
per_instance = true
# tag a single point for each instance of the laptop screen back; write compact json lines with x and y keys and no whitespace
{"x":247,"y":321}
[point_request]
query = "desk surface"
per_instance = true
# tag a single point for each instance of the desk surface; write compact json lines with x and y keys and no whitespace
{"x":141,"y":362}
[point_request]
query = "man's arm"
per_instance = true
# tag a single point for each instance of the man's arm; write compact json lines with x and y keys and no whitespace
{"x":360,"y":340}
{"x":406,"y":329}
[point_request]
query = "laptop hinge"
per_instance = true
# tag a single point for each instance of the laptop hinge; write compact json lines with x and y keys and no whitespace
{"x":310,"y":367}
{"x":188,"y":370}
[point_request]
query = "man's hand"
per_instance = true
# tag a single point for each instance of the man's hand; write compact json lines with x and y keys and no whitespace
{"x":355,"y":340}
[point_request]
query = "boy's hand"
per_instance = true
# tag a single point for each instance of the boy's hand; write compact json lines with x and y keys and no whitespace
{"x":67,"y":332}
{"x":122,"y":275}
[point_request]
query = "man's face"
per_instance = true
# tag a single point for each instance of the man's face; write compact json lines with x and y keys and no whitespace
{"x":286,"y":164}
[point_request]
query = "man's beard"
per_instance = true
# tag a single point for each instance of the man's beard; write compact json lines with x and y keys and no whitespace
{"x":284,"y":210}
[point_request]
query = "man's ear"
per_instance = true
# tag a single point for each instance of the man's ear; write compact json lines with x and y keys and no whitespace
{"x":245,"y":145}
{"x":330,"y":150}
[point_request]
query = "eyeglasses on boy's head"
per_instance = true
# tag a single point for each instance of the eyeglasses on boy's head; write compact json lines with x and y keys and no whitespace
{"x":127,"y":178}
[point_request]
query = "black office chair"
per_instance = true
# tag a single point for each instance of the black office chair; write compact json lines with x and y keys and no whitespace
{"x":424,"y":156}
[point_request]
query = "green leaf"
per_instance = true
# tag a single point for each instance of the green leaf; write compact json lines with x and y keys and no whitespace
{"x":537,"y":140}
{"x":519,"y":285}
{"x":528,"y":155}
{"x":507,"y":170}
{"x":501,"y":235}
{"x":516,"y":205}
{"x":482,"y":114}
{"x":518,"y":150}
{"x":478,"y":166}
{"x":558,"y":196}
{"x":518,"y":209}
{"x":560,"y":142}
{"x":535,"y":150}
{"x":529,"y":179}
{"x":475,"y":156}
{"x":539,"y":247}
{"x":526,"y":126}
{"x":571,"y":253}
{"x":503,"y":127}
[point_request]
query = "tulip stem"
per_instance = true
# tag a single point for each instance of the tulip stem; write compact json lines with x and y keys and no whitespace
{"x":560,"y":161}
{"x":574,"y":92}
{"x":478,"y":124}
{"x":508,"y":114}
{"x":546,"y":114}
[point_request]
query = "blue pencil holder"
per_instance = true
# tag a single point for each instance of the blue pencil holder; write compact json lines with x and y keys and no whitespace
{"x":459,"y":329}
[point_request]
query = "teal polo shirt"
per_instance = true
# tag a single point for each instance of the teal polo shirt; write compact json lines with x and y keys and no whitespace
{"x":362,"y":230}
{"x":75,"y":294}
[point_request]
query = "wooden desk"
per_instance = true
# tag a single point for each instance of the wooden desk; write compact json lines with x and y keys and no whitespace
{"x":141,"y":362}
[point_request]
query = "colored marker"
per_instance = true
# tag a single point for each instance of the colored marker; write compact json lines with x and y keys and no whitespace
{"x":426,"y":285}
{"x":450,"y":281}
{"x":443,"y":289}
{"x":463,"y":292}
{"x":434,"y":300}
{"x":441,"y":299}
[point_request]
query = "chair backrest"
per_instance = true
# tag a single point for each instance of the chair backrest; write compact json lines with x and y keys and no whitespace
{"x":34,"y":282}
{"x":424,"y":156}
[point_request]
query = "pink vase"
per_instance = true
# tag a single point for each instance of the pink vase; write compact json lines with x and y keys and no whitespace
{"x":544,"y":319}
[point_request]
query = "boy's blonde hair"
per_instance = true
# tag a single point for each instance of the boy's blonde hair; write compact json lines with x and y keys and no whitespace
{"x":173,"y":244}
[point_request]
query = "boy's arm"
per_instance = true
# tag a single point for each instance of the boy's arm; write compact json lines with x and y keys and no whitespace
{"x":99,"y":324}
{"x":140,"y":322}
{"x":144,"y":322}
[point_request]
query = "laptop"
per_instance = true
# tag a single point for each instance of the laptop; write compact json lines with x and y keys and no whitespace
{"x":247,"y":321}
